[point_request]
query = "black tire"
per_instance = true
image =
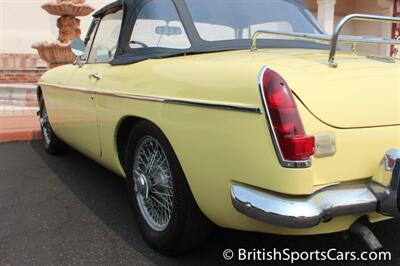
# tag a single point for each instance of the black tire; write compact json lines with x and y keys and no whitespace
{"x":51,"y":143}
{"x":188,"y":228}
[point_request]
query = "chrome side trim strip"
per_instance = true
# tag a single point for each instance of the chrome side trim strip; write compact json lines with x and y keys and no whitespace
{"x":205,"y":104}
{"x":282,"y":160}
{"x":76,"y":89}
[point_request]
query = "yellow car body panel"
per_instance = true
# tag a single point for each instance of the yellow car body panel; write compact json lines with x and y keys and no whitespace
{"x":218,"y":147}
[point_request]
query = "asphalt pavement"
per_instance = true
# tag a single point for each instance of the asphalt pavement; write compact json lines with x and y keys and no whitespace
{"x":68,"y":210}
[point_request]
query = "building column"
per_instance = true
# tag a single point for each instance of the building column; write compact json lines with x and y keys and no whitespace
{"x":386,"y":9}
{"x":385,"y":4}
{"x":326,"y":14}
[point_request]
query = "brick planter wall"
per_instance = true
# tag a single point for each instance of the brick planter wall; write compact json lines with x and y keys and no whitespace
{"x":21,"y":68}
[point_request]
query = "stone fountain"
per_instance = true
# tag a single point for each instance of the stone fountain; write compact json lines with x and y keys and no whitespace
{"x":59,"y":52}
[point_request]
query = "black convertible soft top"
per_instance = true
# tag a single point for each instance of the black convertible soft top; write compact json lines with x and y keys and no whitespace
{"x":110,"y":8}
{"x":126,"y":55}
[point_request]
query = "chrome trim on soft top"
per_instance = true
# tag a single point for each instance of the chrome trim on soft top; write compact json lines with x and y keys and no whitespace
{"x":205,"y":104}
{"x":325,"y":204}
{"x":282,"y":160}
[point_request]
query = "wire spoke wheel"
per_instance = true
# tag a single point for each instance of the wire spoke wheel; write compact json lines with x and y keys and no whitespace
{"x":153,"y":184}
{"x":51,"y":143}
{"x":164,"y":207}
{"x":45,"y":124}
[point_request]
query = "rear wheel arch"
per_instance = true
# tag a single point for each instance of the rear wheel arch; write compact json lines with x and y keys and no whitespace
{"x":123,"y":131}
{"x":189,"y":226}
{"x":124,"y":128}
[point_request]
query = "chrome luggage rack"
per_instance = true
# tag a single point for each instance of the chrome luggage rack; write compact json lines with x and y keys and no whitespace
{"x":336,"y":37}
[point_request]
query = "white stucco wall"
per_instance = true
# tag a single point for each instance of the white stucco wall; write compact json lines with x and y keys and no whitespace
{"x":23,"y":22}
{"x":382,"y":7}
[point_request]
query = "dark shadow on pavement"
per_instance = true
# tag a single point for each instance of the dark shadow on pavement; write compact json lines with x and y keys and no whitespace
{"x":103,"y":193}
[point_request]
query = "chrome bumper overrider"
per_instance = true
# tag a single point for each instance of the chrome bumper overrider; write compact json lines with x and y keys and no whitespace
{"x":333,"y":201}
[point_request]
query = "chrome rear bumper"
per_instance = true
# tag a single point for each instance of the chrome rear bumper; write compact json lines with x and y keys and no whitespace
{"x":334,"y":201}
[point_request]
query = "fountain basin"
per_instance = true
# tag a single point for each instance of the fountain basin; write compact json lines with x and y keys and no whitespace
{"x":68,"y":9}
{"x":55,"y":53}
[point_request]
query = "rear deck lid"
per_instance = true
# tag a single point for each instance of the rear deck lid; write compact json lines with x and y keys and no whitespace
{"x":361,"y":92}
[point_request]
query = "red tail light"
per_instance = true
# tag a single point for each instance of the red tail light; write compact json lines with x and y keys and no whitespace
{"x":285,"y":120}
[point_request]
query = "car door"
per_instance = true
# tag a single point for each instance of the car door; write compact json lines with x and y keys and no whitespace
{"x":157,"y":25}
{"x":80,"y":122}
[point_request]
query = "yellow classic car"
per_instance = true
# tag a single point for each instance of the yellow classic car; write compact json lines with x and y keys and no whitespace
{"x":243,"y":114}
